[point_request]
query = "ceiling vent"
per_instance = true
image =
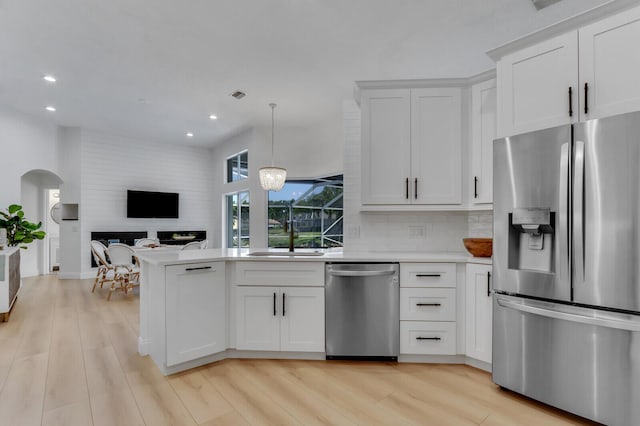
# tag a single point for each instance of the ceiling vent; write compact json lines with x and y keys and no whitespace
{"x":541,"y":4}
{"x":238,"y":94}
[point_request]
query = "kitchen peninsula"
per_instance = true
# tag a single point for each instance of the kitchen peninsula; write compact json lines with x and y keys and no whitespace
{"x":201,"y":306}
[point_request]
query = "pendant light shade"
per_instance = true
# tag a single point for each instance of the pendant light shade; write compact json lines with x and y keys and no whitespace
{"x":272,"y":178}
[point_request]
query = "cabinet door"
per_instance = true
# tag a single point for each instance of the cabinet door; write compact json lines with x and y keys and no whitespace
{"x":610,"y":65}
{"x":196,"y":314}
{"x":478,"y":312}
{"x":534,"y":86}
{"x":436,"y":163}
{"x":258,"y":318}
{"x":483,"y":132}
{"x":385,"y":146}
{"x":302,"y":323}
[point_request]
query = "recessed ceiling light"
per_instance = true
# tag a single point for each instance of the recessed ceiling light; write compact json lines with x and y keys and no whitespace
{"x":49,"y":78}
{"x":189,"y":135}
{"x":50,"y":108}
{"x":213,"y":117}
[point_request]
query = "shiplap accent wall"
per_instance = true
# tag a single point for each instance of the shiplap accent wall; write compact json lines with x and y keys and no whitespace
{"x":442,"y":231}
{"x":111,"y":165}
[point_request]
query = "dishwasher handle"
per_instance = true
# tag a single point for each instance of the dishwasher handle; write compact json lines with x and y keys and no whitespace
{"x":360,"y":273}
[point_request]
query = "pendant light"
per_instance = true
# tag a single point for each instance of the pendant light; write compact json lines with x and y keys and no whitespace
{"x":272,"y":178}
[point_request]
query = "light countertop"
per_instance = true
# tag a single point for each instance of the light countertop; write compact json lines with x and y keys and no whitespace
{"x":160,"y":258}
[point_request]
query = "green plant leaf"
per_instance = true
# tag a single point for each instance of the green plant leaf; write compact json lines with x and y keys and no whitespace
{"x":14,"y":208}
{"x":39,"y":234}
{"x":20,"y":214}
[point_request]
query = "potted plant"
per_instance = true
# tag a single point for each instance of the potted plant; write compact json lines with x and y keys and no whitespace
{"x":19,"y":230}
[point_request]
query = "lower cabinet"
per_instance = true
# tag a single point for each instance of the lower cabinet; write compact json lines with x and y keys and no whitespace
{"x":280,"y":318}
{"x":196,"y":316}
{"x":478,"y":312}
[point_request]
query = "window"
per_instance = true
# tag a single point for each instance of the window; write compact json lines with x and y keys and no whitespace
{"x":316,"y":208}
{"x":238,"y":167}
{"x":238,"y":219}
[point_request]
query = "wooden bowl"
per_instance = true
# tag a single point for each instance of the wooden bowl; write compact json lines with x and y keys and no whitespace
{"x":479,"y":247}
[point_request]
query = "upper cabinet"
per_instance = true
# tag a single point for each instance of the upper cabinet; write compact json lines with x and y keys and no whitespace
{"x":538,"y":86}
{"x":584,"y":74}
{"x":411,"y":146}
{"x":483,"y":132}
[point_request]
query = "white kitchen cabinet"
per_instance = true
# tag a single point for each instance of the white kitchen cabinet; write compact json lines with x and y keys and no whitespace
{"x":478,"y":312}
{"x":610,"y":65}
{"x":428,"y":309}
{"x":411,"y":146}
{"x":196,"y":318}
{"x":483,"y":132}
{"x":280,"y":318}
{"x":533,"y":86}
{"x":600,"y":62}
{"x":386,"y":146}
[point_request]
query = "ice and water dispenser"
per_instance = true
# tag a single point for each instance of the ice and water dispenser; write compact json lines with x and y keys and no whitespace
{"x":531,"y":242}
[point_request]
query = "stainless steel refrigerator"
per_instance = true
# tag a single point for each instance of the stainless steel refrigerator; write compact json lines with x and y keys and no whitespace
{"x":566,"y":267}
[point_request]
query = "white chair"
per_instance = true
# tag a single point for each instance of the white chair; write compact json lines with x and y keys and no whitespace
{"x":204,"y":244}
{"x":193,"y":245}
{"x":105,"y":269}
{"x":143,"y":242}
{"x":126,"y":268}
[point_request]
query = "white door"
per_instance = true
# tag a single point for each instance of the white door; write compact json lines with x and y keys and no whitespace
{"x":302,"y":324}
{"x":483,"y":132}
{"x":386,"y":140}
{"x":195,"y":311}
{"x":610,"y":65}
{"x":436,"y":162}
{"x":479,"y":310}
{"x":534,"y":86}
{"x":258,"y":318}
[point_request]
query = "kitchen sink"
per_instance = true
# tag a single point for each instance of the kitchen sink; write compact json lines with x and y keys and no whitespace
{"x":286,"y":253}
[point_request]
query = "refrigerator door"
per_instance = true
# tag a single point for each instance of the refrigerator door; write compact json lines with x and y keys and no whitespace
{"x":581,"y":360}
{"x":606,"y":215}
{"x":531,"y":186}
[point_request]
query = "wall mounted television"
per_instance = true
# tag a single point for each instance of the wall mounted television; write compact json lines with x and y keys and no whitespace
{"x":159,"y":205}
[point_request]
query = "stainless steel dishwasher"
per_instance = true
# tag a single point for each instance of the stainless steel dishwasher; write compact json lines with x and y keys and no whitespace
{"x":362,"y":304}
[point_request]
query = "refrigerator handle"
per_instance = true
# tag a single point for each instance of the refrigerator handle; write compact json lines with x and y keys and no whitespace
{"x":557,"y":312}
{"x":563,"y":216}
{"x":578,"y":212}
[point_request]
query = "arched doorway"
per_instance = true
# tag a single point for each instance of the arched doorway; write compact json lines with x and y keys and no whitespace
{"x":37,"y":193}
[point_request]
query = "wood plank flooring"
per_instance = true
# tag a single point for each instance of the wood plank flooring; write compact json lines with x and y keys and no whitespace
{"x":69,"y":357}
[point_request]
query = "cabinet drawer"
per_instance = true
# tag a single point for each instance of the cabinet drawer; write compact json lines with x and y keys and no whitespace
{"x":428,"y":304}
{"x":427,"y":275}
{"x":427,"y":338}
{"x":280,"y":273}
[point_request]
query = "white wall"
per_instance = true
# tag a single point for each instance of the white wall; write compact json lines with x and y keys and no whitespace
{"x":110,"y":165}
{"x":390,"y":232}
{"x":28,"y":143}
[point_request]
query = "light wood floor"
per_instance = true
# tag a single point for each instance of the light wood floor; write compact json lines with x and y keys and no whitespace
{"x":68,"y":357}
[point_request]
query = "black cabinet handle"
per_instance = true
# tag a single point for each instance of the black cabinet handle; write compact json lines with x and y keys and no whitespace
{"x":274,"y":305}
{"x":406,"y":188}
{"x":586,"y":98}
{"x":428,"y":338}
{"x":415,"y":189}
{"x":198,"y":269}
{"x":488,"y":284}
{"x":284,"y":309}
{"x":428,"y":275}
{"x":475,"y":187}
{"x":428,"y":304}
{"x":570,"y":101}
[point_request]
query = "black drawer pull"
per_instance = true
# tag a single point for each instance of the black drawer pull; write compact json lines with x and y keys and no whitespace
{"x":570,"y":101}
{"x":488,"y":284}
{"x":475,"y":187}
{"x":284,"y":309}
{"x":198,"y":269}
{"x":428,"y":304}
{"x":428,"y":338}
{"x":428,"y":275}
{"x":274,"y":305}
{"x":586,"y":98}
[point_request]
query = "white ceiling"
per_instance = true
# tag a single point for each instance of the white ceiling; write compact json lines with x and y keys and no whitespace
{"x":156,"y":69}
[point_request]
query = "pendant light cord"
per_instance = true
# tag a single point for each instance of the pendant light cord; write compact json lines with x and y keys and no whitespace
{"x":273,"y":107}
